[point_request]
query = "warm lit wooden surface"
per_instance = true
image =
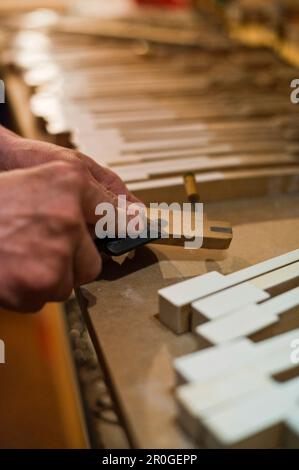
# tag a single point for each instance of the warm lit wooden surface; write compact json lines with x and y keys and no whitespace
{"x":39,"y":400}
{"x":13,"y":6}
{"x":39,"y":405}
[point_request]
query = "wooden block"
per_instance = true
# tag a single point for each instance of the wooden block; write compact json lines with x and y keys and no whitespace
{"x":248,"y":320}
{"x":175,"y":301}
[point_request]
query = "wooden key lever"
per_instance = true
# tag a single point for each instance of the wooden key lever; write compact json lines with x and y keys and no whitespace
{"x":217,"y":235}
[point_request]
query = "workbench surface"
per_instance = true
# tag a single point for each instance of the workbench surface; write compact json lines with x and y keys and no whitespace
{"x":122,"y":312}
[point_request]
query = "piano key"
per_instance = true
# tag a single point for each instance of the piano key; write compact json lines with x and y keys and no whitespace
{"x":175,"y":301}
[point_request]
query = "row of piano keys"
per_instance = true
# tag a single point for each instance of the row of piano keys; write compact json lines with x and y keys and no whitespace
{"x":240,"y":389}
{"x":152,"y":112}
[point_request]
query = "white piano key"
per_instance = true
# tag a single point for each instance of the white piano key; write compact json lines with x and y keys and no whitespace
{"x":174,"y":301}
{"x":197,"y":400}
{"x":270,"y":355}
{"x":248,"y":320}
{"x":228,"y":300}
{"x":235,"y":325}
{"x":258,"y":414}
{"x":288,"y":274}
{"x":213,"y":362}
{"x":164,"y":144}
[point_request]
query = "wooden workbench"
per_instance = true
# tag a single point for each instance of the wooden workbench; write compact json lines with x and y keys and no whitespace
{"x":121,"y":310}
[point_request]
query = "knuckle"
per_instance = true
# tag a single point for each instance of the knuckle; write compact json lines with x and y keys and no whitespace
{"x":87,"y":162}
{"x":75,"y":174}
{"x":58,"y":166}
{"x":78,"y":163}
{"x":70,"y":171}
{"x":76,"y":154}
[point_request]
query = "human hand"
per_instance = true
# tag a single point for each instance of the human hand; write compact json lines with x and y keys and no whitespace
{"x":19,"y":153}
{"x":45,"y":247}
